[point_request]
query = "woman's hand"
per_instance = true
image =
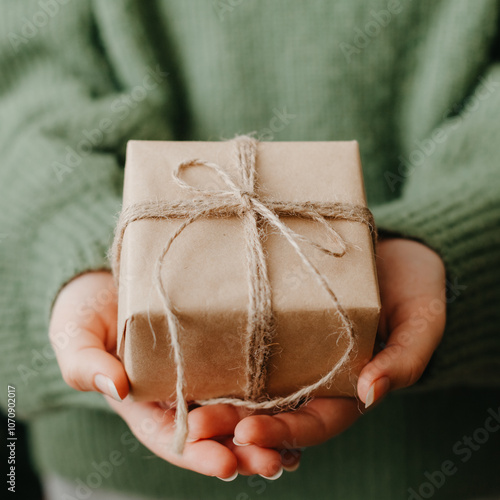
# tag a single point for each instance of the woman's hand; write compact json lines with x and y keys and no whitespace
{"x":83,"y":332}
{"x":87,"y":307}
{"x":412,"y":288}
{"x":412,"y":281}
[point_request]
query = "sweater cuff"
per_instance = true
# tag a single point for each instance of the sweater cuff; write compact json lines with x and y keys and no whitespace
{"x":464,"y":232}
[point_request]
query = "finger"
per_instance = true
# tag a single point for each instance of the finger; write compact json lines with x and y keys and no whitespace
{"x":82,"y":330}
{"x":414,"y":337}
{"x":86,"y":366}
{"x":214,"y":420}
{"x":319,"y":420}
{"x":266,"y":462}
{"x":253,"y":459}
{"x":290,"y":459}
{"x":207,"y":457}
{"x":154,"y":427}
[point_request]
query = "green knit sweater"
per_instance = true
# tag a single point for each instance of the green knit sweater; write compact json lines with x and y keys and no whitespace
{"x":416,"y":83}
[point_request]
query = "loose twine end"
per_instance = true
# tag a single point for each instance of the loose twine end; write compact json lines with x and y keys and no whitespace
{"x":181,"y":428}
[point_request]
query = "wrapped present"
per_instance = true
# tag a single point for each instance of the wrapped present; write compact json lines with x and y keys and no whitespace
{"x":246,"y":273}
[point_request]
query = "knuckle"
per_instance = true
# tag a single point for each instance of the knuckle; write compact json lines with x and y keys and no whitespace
{"x":415,"y":367}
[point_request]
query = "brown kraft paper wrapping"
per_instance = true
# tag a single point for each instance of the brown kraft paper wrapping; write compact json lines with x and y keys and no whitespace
{"x":206,"y":274}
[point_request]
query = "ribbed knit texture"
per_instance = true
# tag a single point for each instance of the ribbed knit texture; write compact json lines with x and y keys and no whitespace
{"x":418,"y":87}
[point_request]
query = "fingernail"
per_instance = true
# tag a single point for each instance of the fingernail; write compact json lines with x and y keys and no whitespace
{"x":107,"y":386}
{"x":291,"y":468}
{"x":274,"y":476}
{"x":230,"y":478}
{"x":237,"y":443}
{"x":191,"y":440}
{"x":378,"y":389}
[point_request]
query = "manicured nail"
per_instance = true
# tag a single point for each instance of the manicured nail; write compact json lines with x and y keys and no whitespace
{"x":378,"y":389}
{"x":230,"y":478}
{"x":274,"y":476}
{"x":107,"y":386}
{"x":237,"y":443}
{"x":291,"y":468}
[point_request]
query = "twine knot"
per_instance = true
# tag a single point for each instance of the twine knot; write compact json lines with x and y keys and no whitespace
{"x":246,"y":199}
{"x":242,"y":201}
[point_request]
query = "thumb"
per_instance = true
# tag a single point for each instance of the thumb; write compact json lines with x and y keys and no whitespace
{"x":86,"y":366}
{"x":81,"y":337}
{"x":403,"y":360}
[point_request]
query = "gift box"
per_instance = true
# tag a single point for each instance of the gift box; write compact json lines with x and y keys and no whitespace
{"x":183,"y":255}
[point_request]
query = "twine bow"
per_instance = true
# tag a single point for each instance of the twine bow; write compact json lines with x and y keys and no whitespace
{"x":241,"y":201}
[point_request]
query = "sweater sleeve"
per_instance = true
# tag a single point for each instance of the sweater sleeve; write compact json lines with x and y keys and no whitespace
{"x":450,"y":200}
{"x":66,"y":113}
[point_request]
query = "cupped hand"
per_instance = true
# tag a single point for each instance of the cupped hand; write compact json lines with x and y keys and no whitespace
{"x":412,"y":281}
{"x":224,"y":440}
{"x":413,"y":296}
{"x":83,"y":332}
